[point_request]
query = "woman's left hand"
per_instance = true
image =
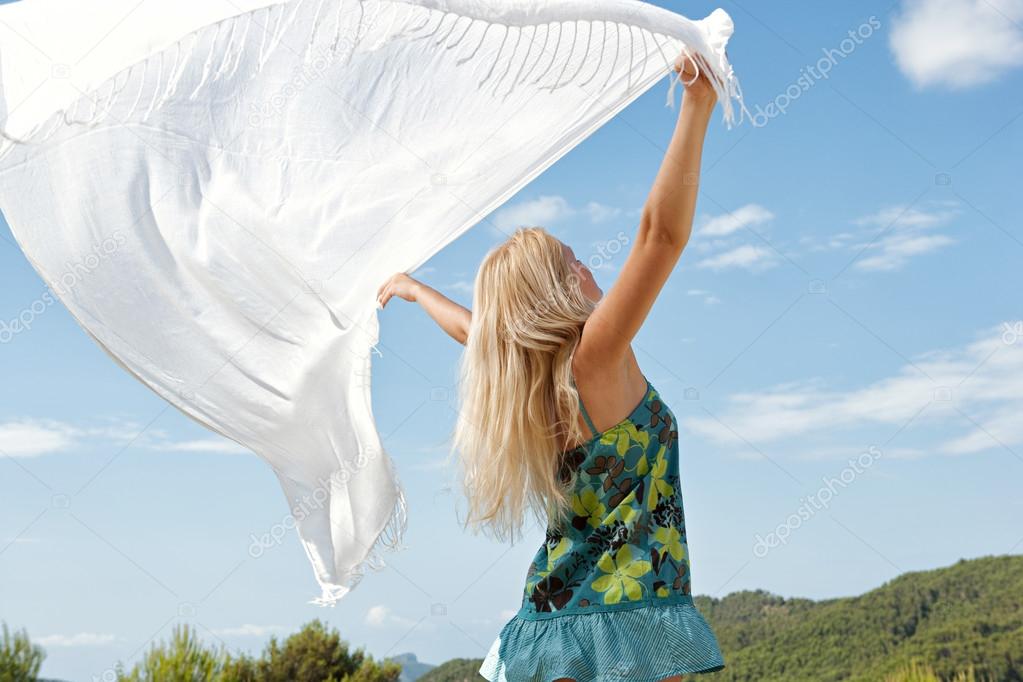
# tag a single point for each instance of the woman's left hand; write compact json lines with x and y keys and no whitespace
{"x":400,"y":285}
{"x":700,"y":87}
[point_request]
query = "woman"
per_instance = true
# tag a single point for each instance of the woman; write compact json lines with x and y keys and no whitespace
{"x":557,"y":417}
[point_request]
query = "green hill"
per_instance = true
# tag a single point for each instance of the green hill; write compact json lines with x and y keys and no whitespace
{"x":966,"y":616}
{"x":455,"y":670}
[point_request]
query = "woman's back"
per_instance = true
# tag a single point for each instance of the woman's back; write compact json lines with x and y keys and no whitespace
{"x":624,"y":544}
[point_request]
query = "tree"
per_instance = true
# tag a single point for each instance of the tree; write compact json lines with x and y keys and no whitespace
{"x":318,"y":654}
{"x":314,"y":654}
{"x":918,"y":672}
{"x":184,"y":659}
{"x":20,"y":660}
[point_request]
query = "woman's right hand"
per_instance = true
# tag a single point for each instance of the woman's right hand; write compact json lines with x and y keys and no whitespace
{"x":400,"y":285}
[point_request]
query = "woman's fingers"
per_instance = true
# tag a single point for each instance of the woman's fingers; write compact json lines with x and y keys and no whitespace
{"x":396,"y":285}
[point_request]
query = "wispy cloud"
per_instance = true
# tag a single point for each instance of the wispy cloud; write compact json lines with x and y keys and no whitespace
{"x":890,"y":237}
{"x":746,"y":257}
{"x":745,"y":216}
{"x":27,"y":438}
{"x":957,"y":43}
{"x":708,"y":298}
{"x":981,"y":380}
{"x":381,"y":616}
{"x":218,"y":445}
{"x":463,"y":285}
{"x":35,"y":437}
{"x":548,"y":211}
{"x":906,"y":232}
{"x":599,"y":213}
{"x":82,"y":639}
{"x":725,"y":240}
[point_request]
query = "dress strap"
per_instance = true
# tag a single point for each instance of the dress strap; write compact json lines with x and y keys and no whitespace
{"x":586,"y":415}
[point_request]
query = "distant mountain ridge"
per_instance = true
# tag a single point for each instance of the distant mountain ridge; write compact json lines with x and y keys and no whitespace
{"x":411,"y":667}
{"x":966,"y":615}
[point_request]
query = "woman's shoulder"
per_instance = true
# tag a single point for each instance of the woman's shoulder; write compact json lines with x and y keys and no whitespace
{"x":608,"y":392}
{"x":589,"y":367}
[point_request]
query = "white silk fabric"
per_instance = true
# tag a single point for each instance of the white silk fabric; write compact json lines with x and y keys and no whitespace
{"x":216,"y":188}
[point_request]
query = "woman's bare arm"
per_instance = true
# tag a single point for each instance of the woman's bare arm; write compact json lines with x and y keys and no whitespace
{"x":664,"y":230}
{"x":451,"y":317}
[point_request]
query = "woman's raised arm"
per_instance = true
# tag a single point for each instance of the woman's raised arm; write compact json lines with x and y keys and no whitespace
{"x":452,"y":318}
{"x":664,"y":230}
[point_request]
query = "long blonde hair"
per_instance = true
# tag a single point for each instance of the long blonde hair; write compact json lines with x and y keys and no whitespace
{"x":518,"y":404}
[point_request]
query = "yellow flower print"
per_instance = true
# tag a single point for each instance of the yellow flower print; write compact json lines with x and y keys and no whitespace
{"x":625,"y":436}
{"x":658,"y":486}
{"x":589,"y":506}
{"x":559,"y":551}
{"x":626,"y":511}
{"x":671,"y":541}
{"x":620,"y":576}
{"x":553,"y":555}
{"x":635,"y":435}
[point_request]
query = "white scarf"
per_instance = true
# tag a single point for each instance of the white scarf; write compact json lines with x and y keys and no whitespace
{"x":216,"y":188}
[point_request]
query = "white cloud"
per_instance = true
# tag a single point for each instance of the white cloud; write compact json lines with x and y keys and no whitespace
{"x":544,"y":211}
{"x":249,"y":630}
{"x":745,"y":216}
{"x":897,"y":250}
{"x":600,"y":213}
{"x":215,"y":445}
{"x":36,"y":437}
{"x":377,"y":616}
{"x":903,"y":235}
{"x":723,"y":243}
{"x":957,"y":43}
{"x":547,"y":211}
{"x":80,"y":639}
{"x":708,"y":298}
{"x":27,"y":438}
{"x":463,"y":285}
{"x":982,"y":380}
{"x":905,"y":217}
{"x":748,"y":257}
{"x":380,"y":616}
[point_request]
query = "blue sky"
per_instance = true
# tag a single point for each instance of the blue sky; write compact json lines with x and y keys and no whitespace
{"x":842,"y":342}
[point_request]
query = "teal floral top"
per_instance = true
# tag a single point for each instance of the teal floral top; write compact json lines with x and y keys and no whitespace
{"x":625,"y":545}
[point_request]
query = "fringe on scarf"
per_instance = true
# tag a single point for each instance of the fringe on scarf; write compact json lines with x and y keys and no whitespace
{"x":221,"y":46}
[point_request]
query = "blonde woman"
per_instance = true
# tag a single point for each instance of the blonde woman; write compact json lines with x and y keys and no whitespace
{"x":557,"y":417}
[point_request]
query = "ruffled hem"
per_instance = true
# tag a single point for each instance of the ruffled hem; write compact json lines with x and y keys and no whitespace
{"x":646,"y":644}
